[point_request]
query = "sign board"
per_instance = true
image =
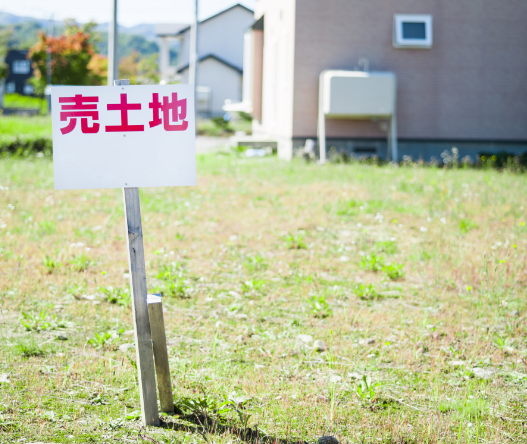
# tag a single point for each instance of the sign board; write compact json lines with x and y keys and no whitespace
{"x":123,"y":136}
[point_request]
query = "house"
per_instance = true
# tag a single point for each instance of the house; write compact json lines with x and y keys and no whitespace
{"x":459,"y":68}
{"x":19,"y":72}
{"x":220,"y":57}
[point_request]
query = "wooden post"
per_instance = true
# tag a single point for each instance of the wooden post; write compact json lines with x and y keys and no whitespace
{"x":143,"y":339}
{"x":157,"y":327}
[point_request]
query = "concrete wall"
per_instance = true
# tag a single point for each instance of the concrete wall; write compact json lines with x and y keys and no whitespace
{"x":278,"y":73}
{"x":470,"y":85}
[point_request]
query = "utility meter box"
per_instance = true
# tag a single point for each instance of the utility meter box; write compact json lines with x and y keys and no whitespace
{"x":358,"y":94}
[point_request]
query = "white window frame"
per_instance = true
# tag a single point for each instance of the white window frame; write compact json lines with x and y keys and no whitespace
{"x":400,"y":42}
{"x":19,"y":64}
{"x":10,"y":87}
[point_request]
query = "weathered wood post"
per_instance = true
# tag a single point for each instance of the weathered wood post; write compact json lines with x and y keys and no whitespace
{"x":142,"y":334}
{"x":157,"y":326}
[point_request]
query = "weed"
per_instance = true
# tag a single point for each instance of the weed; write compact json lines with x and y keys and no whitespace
{"x":51,"y":264}
{"x":100,"y":340}
{"x":255,"y":263}
{"x":47,"y":227}
{"x":388,"y":247}
{"x":118,"y":296}
{"x":372,"y":262}
{"x":465,"y":225}
{"x":319,"y":306}
{"x":81,"y":263}
{"x":205,"y":407}
{"x":366,"y":292}
{"x":348,"y":207}
{"x":34,"y":322}
{"x":173,"y":281}
{"x":5,"y":254}
{"x":28,"y":347}
{"x":253,"y":285}
{"x":366,"y":390}
{"x":394,"y":271}
{"x":295,"y":241}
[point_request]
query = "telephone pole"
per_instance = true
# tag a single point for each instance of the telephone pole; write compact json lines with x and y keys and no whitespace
{"x":113,"y":59}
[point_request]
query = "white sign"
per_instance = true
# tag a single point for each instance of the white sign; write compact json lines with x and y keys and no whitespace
{"x":123,"y":136}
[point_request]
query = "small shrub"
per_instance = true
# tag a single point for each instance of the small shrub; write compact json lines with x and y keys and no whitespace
{"x":347,"y":207}
{"x":388,"y":247}
{"x":100,"y":340}
{"x":255,"y":263}
{"x":51,"y":264}
{"x":222,"y":124}
{"x":81,"y":263}
{"x":366,"y":390}
{"x":295,"y":242}
{"x":47,"y":227}
{"x":33,"y":322}
{"x":465,"y":225}
{"x":173,"y":281}
{"x":319,"y":306}
{"x":28,"y":348}
{"x":394,"y":271}
{"x":253,"y":285}
{"x":118,"y":296}
{"x":372,"y":262}
{"x":366,"y":292}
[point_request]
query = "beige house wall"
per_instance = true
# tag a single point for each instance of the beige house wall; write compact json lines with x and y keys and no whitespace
{"x":471,"y":84}
{"x":278,"y":73}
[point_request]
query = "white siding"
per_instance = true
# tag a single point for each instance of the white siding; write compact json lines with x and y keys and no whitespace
{"x":225,"y":82}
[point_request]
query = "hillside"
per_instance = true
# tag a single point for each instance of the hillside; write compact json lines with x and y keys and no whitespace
{"x":140,"y":38}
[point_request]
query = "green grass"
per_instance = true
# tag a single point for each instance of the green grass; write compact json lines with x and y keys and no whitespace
{"x":16,"y":126}
{"x":27,"y":102}
{"x":257,"y":263}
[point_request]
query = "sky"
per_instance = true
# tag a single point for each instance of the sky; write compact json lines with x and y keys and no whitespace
{"x":130,"y":12}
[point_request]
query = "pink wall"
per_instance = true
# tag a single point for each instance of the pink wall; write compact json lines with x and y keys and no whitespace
{"x":472,"y":84}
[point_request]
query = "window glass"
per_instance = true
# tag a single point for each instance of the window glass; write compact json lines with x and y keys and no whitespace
{"x":414,"y":30}
{"x":21,"y":67}
{"x":11,"y":87}
{"x":28,"y":89}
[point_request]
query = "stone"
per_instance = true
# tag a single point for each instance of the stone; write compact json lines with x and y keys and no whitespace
{"x":62,"y":337}
{"x":306,"y":339}
{"x":456,"y":363}
{"x":328,"y":440}
{"x":320,"y":346}
{"x":125,"y":347}
{"x":483,"y":373}
{"x":4,"y":378}
{"x":367,"y":341}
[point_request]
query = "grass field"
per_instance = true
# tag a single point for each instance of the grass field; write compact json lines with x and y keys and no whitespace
{"x":377,"y":305}
{"x":15,"y":126}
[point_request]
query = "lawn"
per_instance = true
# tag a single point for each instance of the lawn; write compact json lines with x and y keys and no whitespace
{"x":373,"y":304}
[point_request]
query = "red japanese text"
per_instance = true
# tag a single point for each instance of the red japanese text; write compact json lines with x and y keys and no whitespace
{"x":124,"y":107}
{"x":178,"y":108}
{"x":83,"y":107}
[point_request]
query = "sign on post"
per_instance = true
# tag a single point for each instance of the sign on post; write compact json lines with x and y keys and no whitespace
{"x":123,"y":136}
{"x":128,"y":137}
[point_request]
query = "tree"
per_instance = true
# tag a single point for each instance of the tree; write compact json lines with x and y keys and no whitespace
{"x":4,"y":37}
{"x":71,"y":55}
{"x":139,"y":70}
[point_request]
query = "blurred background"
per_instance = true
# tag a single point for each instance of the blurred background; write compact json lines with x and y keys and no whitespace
{"x":427,"y":81}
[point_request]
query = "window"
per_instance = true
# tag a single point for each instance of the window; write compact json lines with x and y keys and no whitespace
{"x":412,"y":31}
{"x":10,"y":87}
{"x":21,"y":67}
{"x":28,"y":89}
